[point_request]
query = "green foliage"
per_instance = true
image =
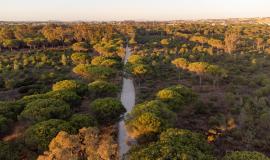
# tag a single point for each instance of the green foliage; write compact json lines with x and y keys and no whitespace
{"x":175,"y":144}
{"x":100,"y":72}
{"x":94,"y":72}
{"x":39,"y":135}
{"x":79,"y":58}
{"x":101,"y":88}
{"x":72,"y":85}
{"x":68,"y":96}
{"x":176,"y":96}
{"x":106,"y":62}
{"x":245,"y":155}
{"x":254,"y":118}
{"x":11,"y":43}
{"x":107,"y":109}
{"x":45,"y":109}
{"x":8,"y":151}
{"x":149,"y":118}
{"x":146,"y":124}
{"x":4,"y":124}
{"x":79,"y":121}
{"x":10,"y":110}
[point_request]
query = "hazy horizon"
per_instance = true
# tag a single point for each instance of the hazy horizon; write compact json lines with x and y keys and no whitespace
{"x":139,"y":10}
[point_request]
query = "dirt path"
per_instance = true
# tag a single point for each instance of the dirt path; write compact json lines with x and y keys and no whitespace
{"x":18,"y":130}
{"x":128,"y":100}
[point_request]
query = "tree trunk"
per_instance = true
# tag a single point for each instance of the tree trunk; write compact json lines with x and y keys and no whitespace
{"x":179,"y":74}
{"x":200,"y":81}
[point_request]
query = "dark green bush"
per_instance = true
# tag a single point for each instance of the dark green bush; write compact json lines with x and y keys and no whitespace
{"x":10,"y":110}
{"x":79,"y":121}
{"x":68,"y":96}
{"x":39,"y":136}
{"x":175,"y":144}
{"x":4,"y":124}
{"x":149,"y":118}
{"x":45,"y":109}
{"x":107,"y":109}
{"x":8,"y":151}
{"x":102,"y":89}
{"x":176,"y":96}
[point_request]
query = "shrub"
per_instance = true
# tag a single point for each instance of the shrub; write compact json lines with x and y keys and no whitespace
{"x":144,"y":125}
{"x":263,"y":91}
{"x":68,"y":96}
{"x":245,"y":155}
{"x":107,"y":109}
{"x":72,"y":85}
{"x":10,"y":110}
{"x":39,"y":135}
{"x":106,"y":62}
{"x":149,"y":118}
{"x":175,"y":144}
{"x":100,"y":72}
{"x":176,"y":96}
{"x":79,"y":58}
{"x":79,"y":121}
{"x":94,"y":72}
{"x":101,"y":88}
{"x":44,"y":109}
{"x":4,"y":124}
{"x":8,"y":151}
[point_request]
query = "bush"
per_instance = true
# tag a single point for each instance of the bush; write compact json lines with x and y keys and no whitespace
{"x":72,"y":85}
{"x":101,"y":88}
{"x":39,"y":135}
{"x":44,"y":109}
{"x":107,"y":109}
{"x":10,"y":110}
{"x":100,"y":72}
{"x":94,"y":72}
{"x":79,"y":121}
{"x":106,"y":62}
{"x":149,"y":118}
{"x":79,"y":58}
{"x":68,"y":96}
{"x":4,"y":124}
{"x":245,"y":155}
{"x":8,"y":151}
{"x":146,"y":124}
{"x":176,"y":96}
{"x":175,"y":144}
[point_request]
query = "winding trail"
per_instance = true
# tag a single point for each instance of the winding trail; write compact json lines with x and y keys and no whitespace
{"x":128,"y":100}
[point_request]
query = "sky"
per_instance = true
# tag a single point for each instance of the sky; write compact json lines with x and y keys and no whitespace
{"x":111,"y":10}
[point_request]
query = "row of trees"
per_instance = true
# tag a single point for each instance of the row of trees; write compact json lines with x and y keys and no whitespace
{"x":201,"y":69}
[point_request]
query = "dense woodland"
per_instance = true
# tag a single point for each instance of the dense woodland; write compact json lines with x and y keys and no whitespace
{"x":202,"y":90}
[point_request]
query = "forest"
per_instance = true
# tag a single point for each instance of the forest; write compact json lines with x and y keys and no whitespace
{"x":202,"y":91}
